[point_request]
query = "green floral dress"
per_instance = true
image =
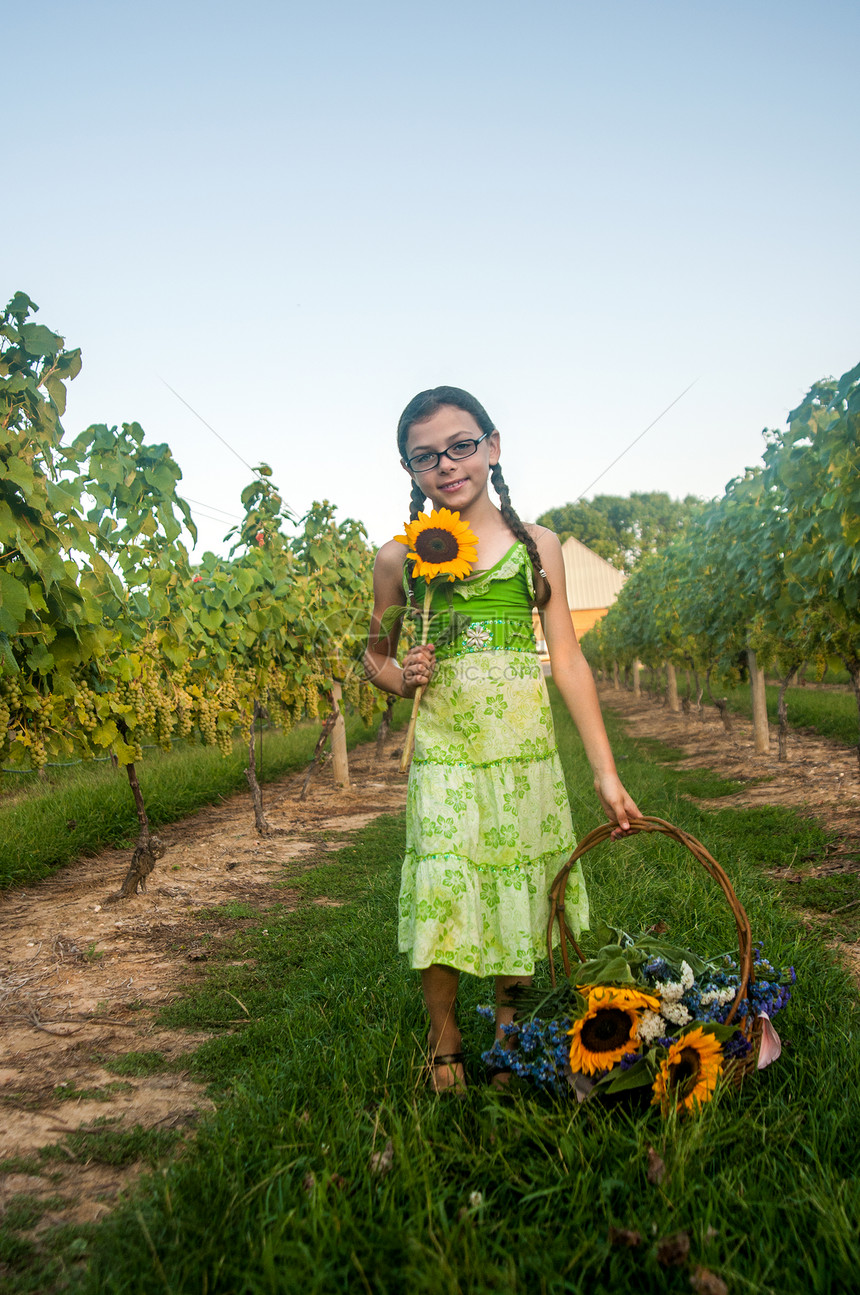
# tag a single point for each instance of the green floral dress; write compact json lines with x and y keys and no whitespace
{"x":488,"y":823}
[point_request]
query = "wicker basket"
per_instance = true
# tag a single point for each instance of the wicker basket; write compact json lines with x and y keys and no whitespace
{"x":751,"y":1027}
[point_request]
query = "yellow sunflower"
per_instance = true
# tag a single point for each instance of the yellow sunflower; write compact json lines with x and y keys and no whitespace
{"x":609,"y":1028}
{"x":688,"y":1076}
{"x":441,"y":545}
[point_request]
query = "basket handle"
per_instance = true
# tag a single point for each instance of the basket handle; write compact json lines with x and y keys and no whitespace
{"x":708,"y":862}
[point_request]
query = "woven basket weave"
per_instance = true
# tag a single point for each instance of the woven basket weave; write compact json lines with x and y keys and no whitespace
{"x":751,"y":1029}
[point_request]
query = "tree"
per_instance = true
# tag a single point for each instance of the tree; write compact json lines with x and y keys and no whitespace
{"x":813,"y":471}
{"x":623,"y":529}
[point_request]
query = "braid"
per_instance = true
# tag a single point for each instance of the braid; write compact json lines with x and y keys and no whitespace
{"x":512,"y":521}
{"x":416,"y":501}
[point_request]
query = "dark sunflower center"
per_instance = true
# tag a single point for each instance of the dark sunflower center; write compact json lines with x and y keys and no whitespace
{"x":437,"y":545}
{"x":685,"y":1071}
{"x":607,"y":1030}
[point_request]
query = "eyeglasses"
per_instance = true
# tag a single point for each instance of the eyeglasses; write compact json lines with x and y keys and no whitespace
{"x":430,"y":459}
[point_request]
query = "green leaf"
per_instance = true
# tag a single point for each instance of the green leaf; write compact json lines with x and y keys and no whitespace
{"x":640,"y":1075}
{"x":7,"y":656}
{"x":22,"y":474}
{"x":605,"y":934}
{"x":57,"y":391}
{"x":37,"y":340}
{"x":27,"y":553}
{"x":605,"y":971}
{"x":14,"y":602}
{"x":721,"y":1032}
{"x":40,"y":659}
{"x":61,"y":499}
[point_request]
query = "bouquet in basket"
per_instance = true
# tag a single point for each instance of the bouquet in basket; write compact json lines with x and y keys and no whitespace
{"x":645,"y":1016}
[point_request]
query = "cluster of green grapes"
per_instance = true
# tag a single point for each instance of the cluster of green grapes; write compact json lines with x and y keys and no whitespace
{"x":285,"y":697}
{"x":165,"y":721}
{"x":313,"y":685}
{"x":27,"y":732}
{"x":5,"y":719}
{"x":141,"y":695}
{"x":86,"y":707}
{"x":218,"y":710}
{"x":184,"y":703}
{"x":208,"y":711}
{"x":367,"y":702}
{"x":352,"y":690}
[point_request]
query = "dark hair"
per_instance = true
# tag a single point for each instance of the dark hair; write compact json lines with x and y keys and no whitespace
{"x":424,"y":406}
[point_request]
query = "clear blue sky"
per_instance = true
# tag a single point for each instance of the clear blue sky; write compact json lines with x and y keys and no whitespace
{"x":299,"y":215}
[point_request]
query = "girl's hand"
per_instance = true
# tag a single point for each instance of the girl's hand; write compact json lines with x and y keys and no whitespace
{"x":418,"y":666}
{"x":618,"y":804}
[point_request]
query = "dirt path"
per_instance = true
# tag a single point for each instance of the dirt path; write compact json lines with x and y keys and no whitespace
{"x":82,"y":982}
{"x":820,"y":776}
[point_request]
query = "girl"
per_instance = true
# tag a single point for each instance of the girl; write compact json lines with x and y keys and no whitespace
{"x":488,"y":821}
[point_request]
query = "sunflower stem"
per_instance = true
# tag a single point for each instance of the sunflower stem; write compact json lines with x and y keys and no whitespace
{"x":409,"y":744}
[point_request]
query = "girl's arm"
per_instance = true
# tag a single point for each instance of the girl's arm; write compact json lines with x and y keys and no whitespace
{"x":380,"y":658}
{"x":572,"y":676}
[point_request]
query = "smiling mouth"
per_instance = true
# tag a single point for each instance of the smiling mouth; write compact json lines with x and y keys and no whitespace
{"x":454,"y":485}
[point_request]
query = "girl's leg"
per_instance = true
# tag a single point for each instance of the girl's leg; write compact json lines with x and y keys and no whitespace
{"x":440,"y":984}
{"x":504,"y":1016}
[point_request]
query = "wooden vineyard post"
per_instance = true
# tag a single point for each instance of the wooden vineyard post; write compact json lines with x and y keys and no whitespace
{"x":761,"y":733}
{"x":637,"y":686}
{"x":340,"y":764}
{"x":672,"y":688}
{"x":616,"y":684}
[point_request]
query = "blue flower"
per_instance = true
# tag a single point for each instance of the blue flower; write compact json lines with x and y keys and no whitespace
{"x":737,"y":1046}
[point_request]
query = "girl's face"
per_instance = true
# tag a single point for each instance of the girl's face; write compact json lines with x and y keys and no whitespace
{"x":452,"y":483}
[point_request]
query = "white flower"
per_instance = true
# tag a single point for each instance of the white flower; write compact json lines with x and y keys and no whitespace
{"x":721,"y":996}
{"x":687,"y":977}
{"x":651,"y":1026}
{"x":476,"y":638}
{"x":676,"y":1013}
{"x":475,"y":1199}
{"x":670,"y":991}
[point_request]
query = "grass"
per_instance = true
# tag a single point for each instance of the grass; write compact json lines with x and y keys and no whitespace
{"x":497,"y":1193}
{"x":104,"y":1144}
{"x":140,"y":1064}
{"x":79,"y":811}
{"x":235,"y":911}
{"x":68,"y":1092}
{"x":831,"y":714}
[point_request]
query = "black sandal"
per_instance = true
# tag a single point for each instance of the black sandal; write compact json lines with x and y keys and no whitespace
{"x":449,"y":1059}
